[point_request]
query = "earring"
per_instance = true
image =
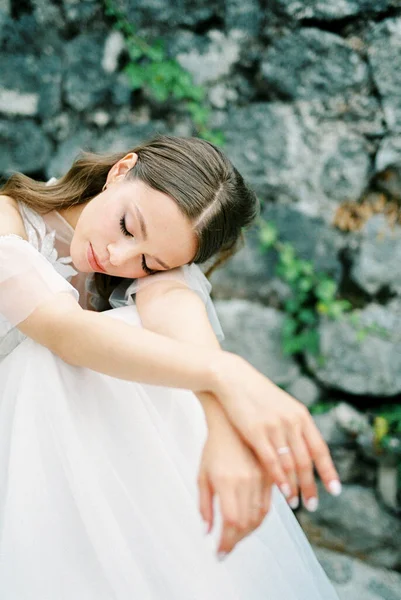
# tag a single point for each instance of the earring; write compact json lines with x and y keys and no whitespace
{"x":104,"y":187}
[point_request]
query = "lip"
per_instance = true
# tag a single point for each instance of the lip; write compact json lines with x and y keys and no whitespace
{"x":93,"y":260}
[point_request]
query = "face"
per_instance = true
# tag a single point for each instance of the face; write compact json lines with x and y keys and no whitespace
{"x":131,"y":230}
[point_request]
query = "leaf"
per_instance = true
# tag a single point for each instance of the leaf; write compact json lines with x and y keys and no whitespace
{"x":326,"y":289}
{"x":215,"y":137}
{"x":136,"y":75}
{"x":292,"y":305}
{"x":305,"y":284}
{"x":361,"y":334}
{"x":322,"y":308}
{"x":380,"y":428}
{"x":289,"y":327}
{"x":268,"y":235}
{"x":307,"y":316}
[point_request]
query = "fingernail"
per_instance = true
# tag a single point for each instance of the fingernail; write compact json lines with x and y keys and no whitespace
{"x":312,"y":504}
{"x":294,"y":502}
{"x":221,"y":556}
{"x":335,"y":487}
{"x":285,"y":488}
{"x":206,"y":527}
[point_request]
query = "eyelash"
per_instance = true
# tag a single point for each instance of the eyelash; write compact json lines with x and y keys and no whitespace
{"x":127,"y":233}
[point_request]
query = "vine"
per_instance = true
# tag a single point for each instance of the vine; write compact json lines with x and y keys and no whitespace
{"x":150,"y":68}
{"x":311,"y":294}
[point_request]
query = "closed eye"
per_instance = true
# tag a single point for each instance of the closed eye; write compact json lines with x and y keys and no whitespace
{"x":125,"y":231}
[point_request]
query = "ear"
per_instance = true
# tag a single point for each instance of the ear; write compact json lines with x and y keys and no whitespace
{"x":121,"y":168}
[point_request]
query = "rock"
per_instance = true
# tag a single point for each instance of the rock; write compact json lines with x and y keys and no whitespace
{"x":172,"y":14}
{"x":81,"y":11}
{"x":251,"y":272}
{"x":317,"y":164}
{"x":331,"y":432}
{"x":24,"y":146}
{"x":220,"y":94}
{"x":215,"y":61}
{"x":351,"y":420}
{"x":316,"y":9}
{"x":247,"y":275}
{"x":353,"y":578}
{"x":30,"y":86}
{"x":371,"y":365}
{"x":127,"y":137}
{"x":384,"y":52}
{"x":389,"y":152}
{"x":351,"y":467}
{"x":5,"y":6}
{"x":243,"y":16}
{"x":387,"y":483}
{"x":312,"y":238}
{"x":254,"y":332}
{"x":113,"y":48}
{"x":312,"y":63}
{"x":380,"y":245}
{"x":86,"y":83}
{"x":68,"y":151}
{"x":61,"y":126}
{"x":305,"y":390}
{"x":356,"y":523}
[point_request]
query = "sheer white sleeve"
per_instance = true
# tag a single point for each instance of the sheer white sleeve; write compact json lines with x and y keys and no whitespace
{"x":27,"y":279}
{"x":190,"y":275}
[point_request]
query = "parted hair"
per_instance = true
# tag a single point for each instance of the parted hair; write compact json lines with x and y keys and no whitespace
{"x":195,"y":173}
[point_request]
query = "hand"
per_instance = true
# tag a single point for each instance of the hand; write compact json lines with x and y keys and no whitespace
{"x":230,"y":470}
{"x":268,"y":419}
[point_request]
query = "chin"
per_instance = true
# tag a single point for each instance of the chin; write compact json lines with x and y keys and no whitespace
{"x":79,"y":261}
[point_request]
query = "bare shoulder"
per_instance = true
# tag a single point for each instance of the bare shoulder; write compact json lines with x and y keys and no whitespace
{"x":10,"y":218}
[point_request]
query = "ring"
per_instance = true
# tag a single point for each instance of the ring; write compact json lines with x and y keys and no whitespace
{"x":283,"y":450}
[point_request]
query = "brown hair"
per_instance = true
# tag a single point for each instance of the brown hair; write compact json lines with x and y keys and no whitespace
{"x":193,"y":172}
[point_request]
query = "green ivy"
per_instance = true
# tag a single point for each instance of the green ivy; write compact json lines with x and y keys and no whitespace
{"x":312,"y":294}
{"x":151,"y":69}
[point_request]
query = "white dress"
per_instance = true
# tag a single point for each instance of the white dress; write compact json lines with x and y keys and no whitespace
{"x":98,"y":492}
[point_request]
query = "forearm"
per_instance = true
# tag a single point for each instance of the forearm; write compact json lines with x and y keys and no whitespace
{"x":113,"y":347}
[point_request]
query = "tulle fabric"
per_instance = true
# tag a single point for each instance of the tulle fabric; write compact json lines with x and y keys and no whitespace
{"x":189,"y":275}
{"x":27,"y":279}
{"x":99,"y":500}
{"x":98,"y":490}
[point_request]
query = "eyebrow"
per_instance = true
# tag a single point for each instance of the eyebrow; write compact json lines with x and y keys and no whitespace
{"x":145,"y":235}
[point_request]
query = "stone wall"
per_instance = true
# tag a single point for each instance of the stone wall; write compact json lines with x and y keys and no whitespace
{"x":308,"y":97}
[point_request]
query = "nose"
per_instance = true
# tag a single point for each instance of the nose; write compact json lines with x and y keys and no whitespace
{"x":121,"y":253}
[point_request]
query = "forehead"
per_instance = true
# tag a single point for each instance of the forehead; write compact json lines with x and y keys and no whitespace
{"x":169,"y":231}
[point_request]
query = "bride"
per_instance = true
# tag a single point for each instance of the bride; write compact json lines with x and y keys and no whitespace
{"x":137,"y":458}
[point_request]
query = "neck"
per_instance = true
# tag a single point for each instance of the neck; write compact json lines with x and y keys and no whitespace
{"x":72,"y":213}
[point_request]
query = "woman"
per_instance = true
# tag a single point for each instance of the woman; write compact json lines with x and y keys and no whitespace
{"x":121,"y":428}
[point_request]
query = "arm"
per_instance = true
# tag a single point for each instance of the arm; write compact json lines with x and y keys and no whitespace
{"x":228,"y":468}
{"x":94,"y":340}
{"x":37,"y":300}
{"x":285,"y":419}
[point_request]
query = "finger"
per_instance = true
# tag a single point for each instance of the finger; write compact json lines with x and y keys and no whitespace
{"x":320,"y":454}
{"x":206,"y":494}
{"x":267,"y":495}
{"x":230,"y":537}
{"x":279,"y":441}
{"x":257,"y":501}
{"x":269,"y":459}
{"x":304,"y":467}
{"x":230,"y":514}
{"x":244,"y":493}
